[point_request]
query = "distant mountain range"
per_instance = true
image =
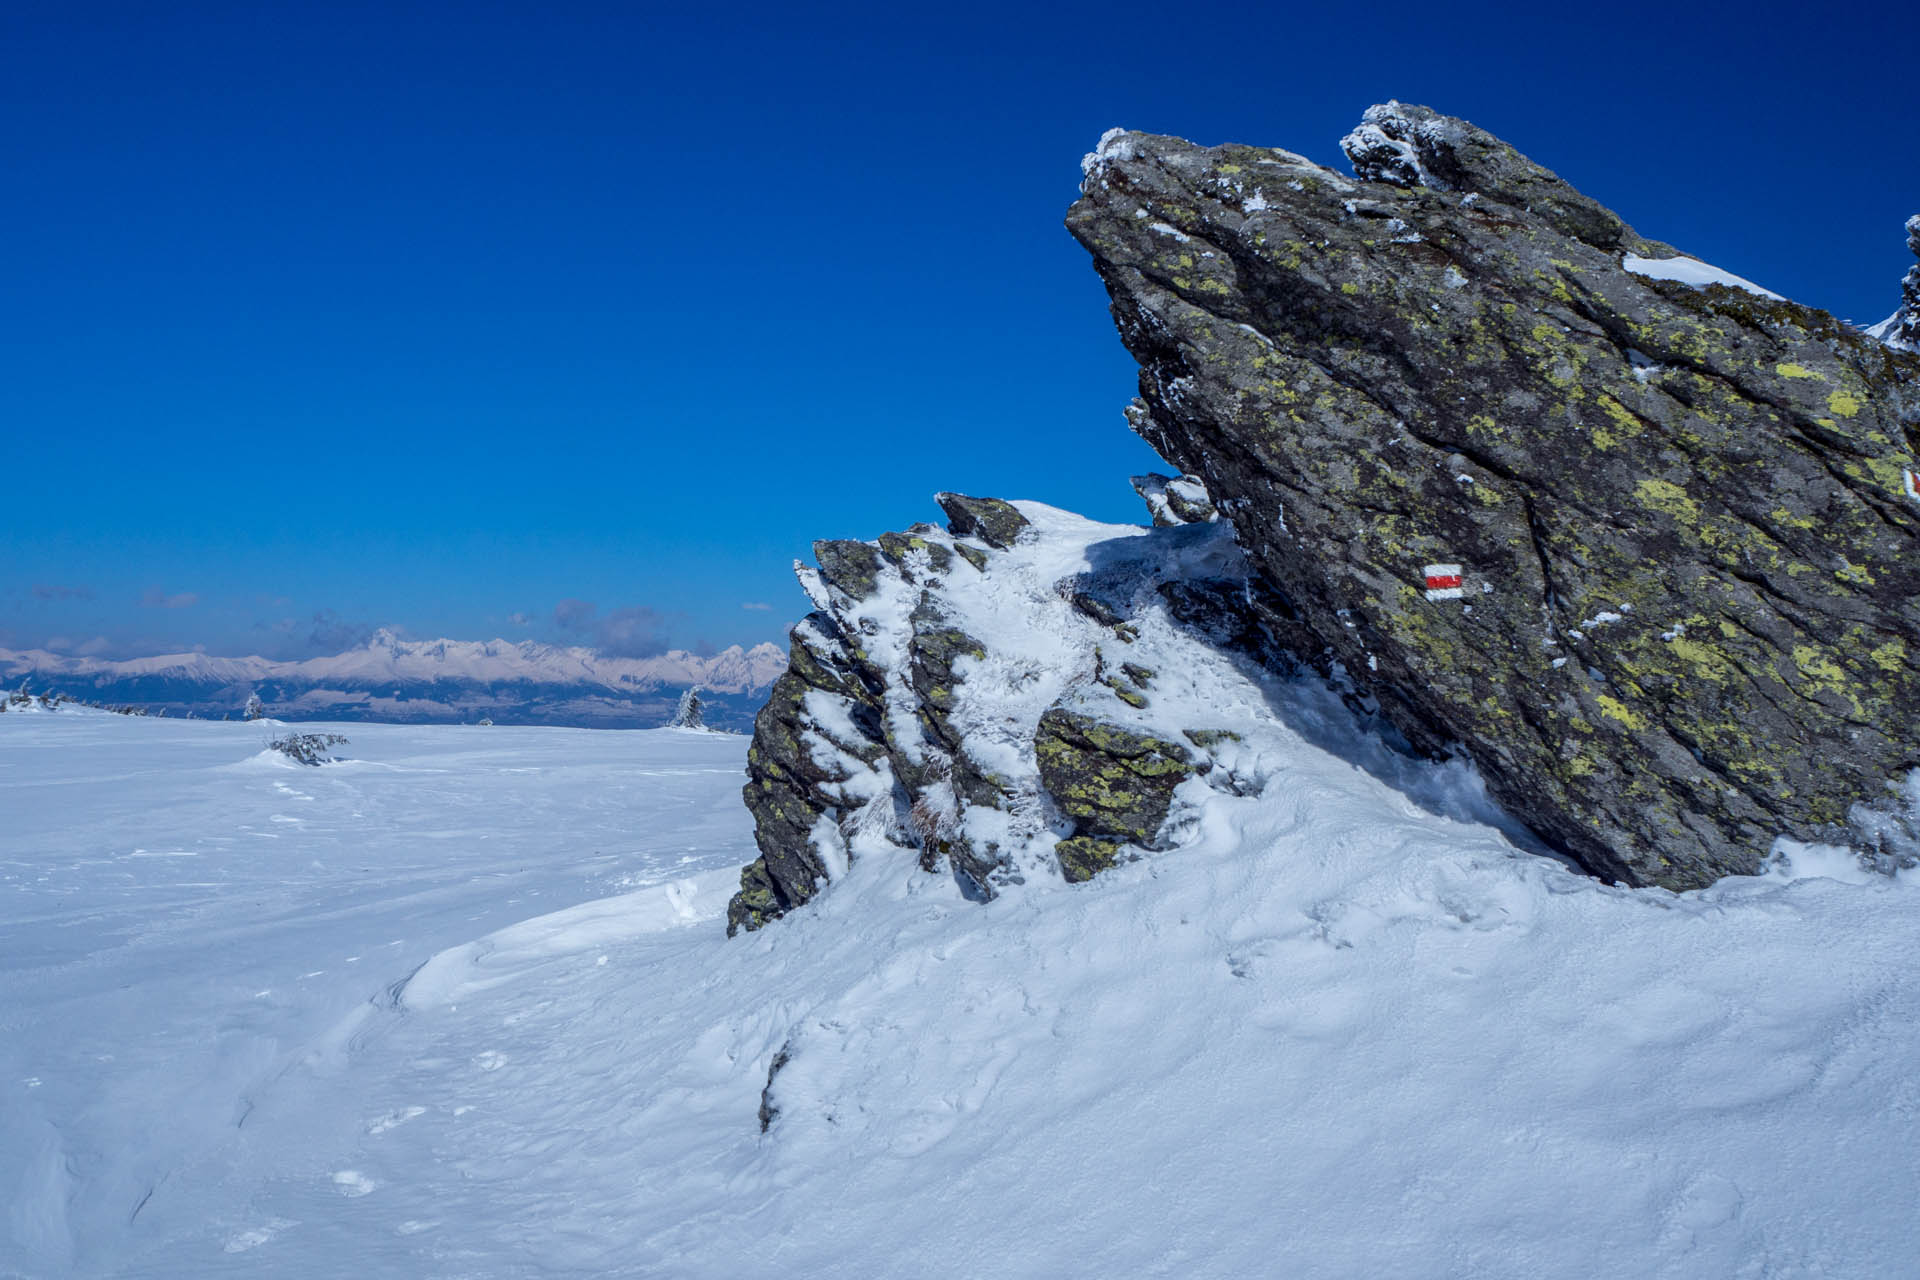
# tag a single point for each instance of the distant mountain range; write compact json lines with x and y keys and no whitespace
{"x":422,"y":681}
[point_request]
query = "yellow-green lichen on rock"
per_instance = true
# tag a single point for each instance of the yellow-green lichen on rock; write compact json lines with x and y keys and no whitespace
{"x":1690,"y":560}
{"x":1113,"y":783}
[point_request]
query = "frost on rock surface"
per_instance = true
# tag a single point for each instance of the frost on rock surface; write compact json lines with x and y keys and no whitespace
{"x":1388,"y":146}
{"x":1455,"y":407}
{"x":1901,"y":330}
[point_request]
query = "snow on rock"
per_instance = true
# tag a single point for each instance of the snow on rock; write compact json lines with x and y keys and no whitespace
{"x":1175,"y":499}
{"x":1384,"y":147}
{"x":1691,"y":272}
{"x":1114,"y":144}
{"x":1901,"y":330}
{"x":1030,"y":696}
{"x":910,"y":724}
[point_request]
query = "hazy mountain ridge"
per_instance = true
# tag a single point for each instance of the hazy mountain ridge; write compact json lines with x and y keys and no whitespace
{"x":389,"y":678}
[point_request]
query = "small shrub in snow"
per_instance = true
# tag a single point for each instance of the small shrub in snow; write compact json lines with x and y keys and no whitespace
{"x":21,"y":699}
{"x":308,"y":748}
{"x":932,"y":821}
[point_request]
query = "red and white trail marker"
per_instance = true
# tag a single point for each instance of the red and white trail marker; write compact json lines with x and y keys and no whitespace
{"x":1444,"y":582}
{"x":1913,"y":484}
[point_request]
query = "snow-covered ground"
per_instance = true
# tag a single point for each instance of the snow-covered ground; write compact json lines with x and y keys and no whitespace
{"x":197,"y":939}
{"x":463,"y":1006}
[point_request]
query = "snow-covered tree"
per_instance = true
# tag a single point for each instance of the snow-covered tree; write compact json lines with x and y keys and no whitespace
{"x":255,"y":709}
{"x":688,"y":715}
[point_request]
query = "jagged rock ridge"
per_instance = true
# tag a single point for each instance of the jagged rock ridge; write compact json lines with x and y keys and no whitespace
{"x":1641,"y":541}
{"x":987,"y":699}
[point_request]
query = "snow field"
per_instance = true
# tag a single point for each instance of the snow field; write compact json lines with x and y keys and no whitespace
{"x":195,"y":930}
{"x":1353,"y":1025}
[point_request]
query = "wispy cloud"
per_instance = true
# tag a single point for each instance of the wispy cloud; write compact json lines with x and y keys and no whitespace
{"x":574,"y":615}
{"x":520,"y":618}
{"x":83,"y":648}
{"x":634,"y":632}
{"x":331,"y":633}
{"x":155,"y":598}
{"x":54,"y":591}
{"x":757,"y":606}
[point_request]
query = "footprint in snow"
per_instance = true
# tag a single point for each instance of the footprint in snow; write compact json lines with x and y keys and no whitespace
{"x":919,"y":1134}
{"x":1706,"y":1213}
{"x":241,"y":1241}
{"x":490,"y":1060}
{"x":353,"y":1184}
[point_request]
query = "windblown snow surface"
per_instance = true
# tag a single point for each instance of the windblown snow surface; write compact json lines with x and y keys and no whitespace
{"x":462,"y":1005}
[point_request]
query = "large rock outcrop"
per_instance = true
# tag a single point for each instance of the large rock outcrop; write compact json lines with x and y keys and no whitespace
{"x":1645,"y":541}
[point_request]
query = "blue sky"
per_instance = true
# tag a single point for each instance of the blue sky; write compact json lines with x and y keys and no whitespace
{"x":580,"y":321}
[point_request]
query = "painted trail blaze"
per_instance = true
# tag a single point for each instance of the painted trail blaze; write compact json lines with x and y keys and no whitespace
{"x":1444,"y":582}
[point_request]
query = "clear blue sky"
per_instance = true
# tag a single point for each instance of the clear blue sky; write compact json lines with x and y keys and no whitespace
{"x":581,"y":321}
